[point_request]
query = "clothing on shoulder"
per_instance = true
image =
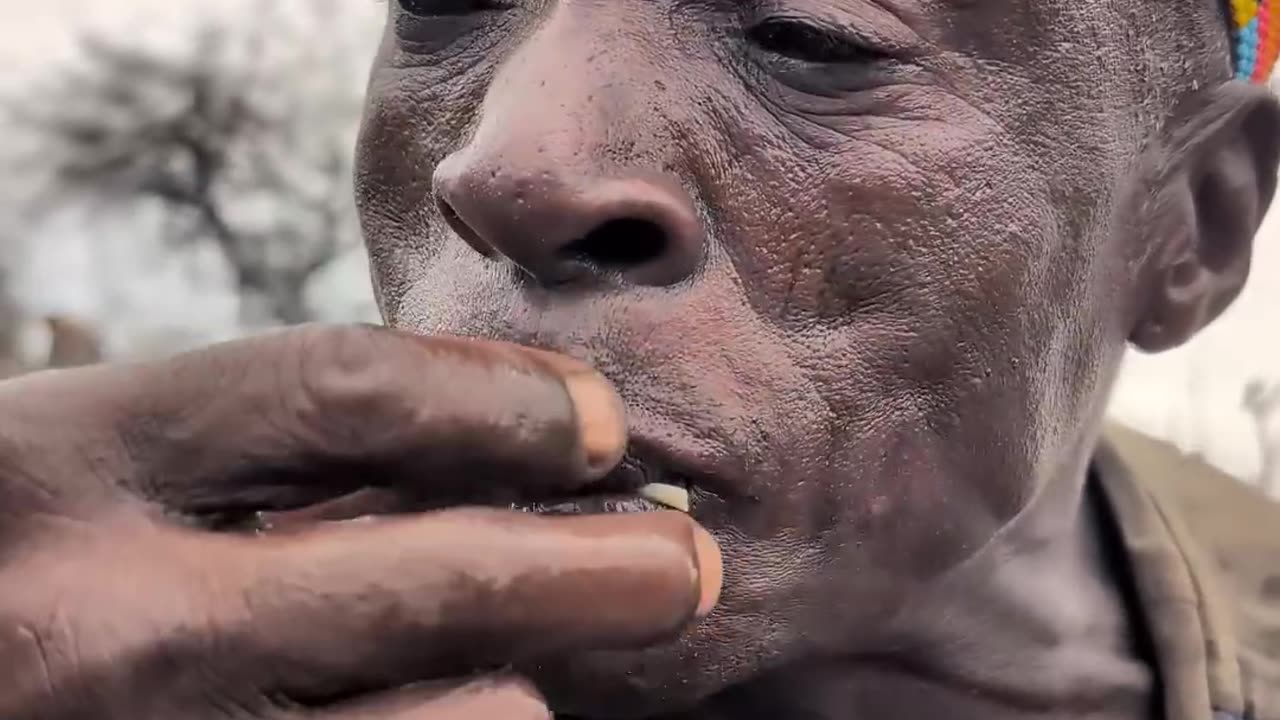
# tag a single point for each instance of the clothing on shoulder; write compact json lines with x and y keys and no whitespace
{"x":1204,"y":553}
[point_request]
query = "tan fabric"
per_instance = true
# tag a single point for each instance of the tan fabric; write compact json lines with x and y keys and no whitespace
{"x":1205,"y":553}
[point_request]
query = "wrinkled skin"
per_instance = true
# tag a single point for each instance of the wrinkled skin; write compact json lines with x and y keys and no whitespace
{"x":126,"y":592}
{"x":870,"y":302}
{"x":867,"y":295}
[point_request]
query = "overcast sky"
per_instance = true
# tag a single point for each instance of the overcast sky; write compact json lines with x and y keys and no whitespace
{"x":1191,"y":396}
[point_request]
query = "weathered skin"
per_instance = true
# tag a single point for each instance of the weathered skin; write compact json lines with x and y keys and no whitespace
{"x":865,"y":287}
{"x":117,"y":601}
{"x":887,"y":299}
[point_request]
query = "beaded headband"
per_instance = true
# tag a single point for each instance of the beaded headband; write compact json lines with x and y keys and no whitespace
{"x":1255,"y":35}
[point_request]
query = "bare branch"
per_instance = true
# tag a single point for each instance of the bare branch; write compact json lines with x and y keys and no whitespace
{"x":207,"y":135}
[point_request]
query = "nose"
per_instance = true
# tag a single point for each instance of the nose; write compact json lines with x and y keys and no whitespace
{"x":567,"y":228}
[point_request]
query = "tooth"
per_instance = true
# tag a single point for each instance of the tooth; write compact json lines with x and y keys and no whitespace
{"x":673,"y":496}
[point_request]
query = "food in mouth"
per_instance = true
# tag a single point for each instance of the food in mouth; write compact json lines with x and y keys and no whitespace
{"x":646,"y":497}
{"x":654,"y":496}
{"x":672,"y":496}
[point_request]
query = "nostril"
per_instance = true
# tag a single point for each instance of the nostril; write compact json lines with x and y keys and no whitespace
{"x":619,"y":244}
{"x":448,"y":213}
{"x":462,"y":229}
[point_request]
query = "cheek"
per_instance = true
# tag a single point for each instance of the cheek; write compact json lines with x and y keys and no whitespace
{"x":869,"y":214}
{"x":398,"y":149}
{"x":915,"y":252}
{"x":408,"y":128}
{"x":918,"y":272}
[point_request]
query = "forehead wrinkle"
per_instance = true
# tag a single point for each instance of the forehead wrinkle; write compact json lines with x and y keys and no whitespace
{"x":973,"y":24}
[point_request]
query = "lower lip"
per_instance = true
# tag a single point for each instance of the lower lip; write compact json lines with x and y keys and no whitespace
{"x":592,"y":504}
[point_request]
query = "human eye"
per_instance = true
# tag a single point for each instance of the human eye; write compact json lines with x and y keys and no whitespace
{"x":807,"y":41}
{"x":428,"y":27}
{"x":426,"y":9}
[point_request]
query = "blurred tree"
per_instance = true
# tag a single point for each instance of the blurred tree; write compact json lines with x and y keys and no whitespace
{"x":231,"y":137}
{"x":1262,"y":402}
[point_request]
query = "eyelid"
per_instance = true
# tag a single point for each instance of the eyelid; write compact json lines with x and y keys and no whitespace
{"x":471,"y":6}
{"x":835,"y":30}
{"x":827,"y":44}
{"x":866,"y":28}
{"x":859,"y":46}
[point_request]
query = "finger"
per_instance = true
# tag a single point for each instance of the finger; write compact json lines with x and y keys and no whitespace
{"x":488,"y":698}
{"x":387,"y":601}
{"x":311,"y":413}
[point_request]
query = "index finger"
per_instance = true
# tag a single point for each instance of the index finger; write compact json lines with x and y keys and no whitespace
{"x":307,"y":414}
{"x":388,"y":601}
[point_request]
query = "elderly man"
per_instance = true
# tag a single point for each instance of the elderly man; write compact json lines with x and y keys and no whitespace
{"x":859,"y":274}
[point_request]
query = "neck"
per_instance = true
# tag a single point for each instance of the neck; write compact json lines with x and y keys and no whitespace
{"x":1039,"y":625}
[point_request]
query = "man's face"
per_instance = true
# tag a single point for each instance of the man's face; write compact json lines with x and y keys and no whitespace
{"x":852,"y":264}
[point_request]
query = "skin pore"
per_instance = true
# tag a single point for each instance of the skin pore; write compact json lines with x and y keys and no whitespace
{"x":862,"y":271}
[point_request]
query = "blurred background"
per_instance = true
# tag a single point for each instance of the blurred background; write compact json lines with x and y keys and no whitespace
{"x":178,"y":172}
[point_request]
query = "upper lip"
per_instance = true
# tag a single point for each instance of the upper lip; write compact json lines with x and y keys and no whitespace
{"x":647,"y":462}
{"x":628,"y":476}
{"x":643,"y":464}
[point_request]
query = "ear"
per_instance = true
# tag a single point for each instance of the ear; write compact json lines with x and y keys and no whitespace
{"x":1217,"y":181}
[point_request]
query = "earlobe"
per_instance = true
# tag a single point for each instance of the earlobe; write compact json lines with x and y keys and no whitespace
{"x":1219,"y":177}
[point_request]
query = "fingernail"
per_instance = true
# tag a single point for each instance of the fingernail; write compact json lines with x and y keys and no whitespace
{"x":601,"y":420}
{"x":710,"y":570}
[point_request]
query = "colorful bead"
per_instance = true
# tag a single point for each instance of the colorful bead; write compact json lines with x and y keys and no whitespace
{"x":1255,"y":38}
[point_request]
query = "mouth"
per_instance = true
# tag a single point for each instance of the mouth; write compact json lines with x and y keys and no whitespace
{"x":633,"y":486}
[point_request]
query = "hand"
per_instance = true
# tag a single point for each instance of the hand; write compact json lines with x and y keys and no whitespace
{"x":117,"y":600}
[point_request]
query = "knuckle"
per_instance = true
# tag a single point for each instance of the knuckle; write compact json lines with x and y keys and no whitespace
{"x":29,"y":680}
{"x":136,"y":649}
{"x":49,"y":669}
{"x":46,"y":433}
{"x":22,"y":494}
{"x":349,"y":393}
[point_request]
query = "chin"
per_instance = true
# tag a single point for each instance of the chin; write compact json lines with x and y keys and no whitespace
{"x":618,"y":686}
{"x":627,"y":685}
